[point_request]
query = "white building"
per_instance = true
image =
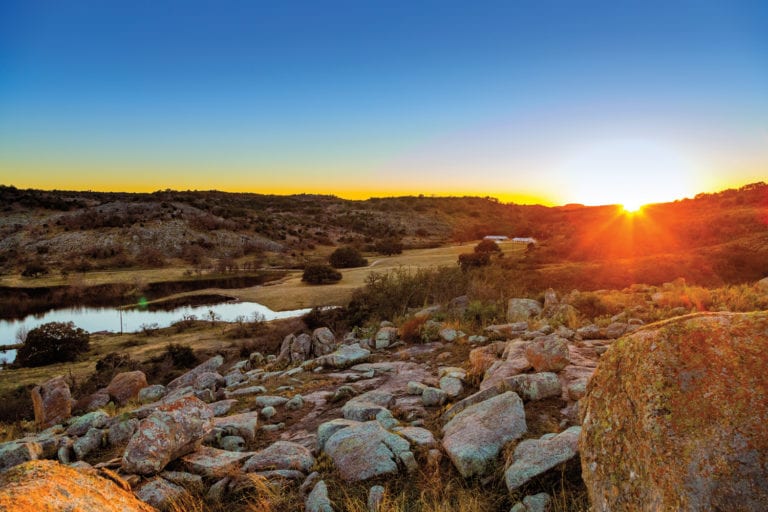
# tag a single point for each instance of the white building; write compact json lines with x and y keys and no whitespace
{"x":496,"y":238}
{"x":524,"y":240}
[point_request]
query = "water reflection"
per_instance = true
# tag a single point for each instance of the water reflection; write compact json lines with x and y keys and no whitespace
{"x":132,"y":320}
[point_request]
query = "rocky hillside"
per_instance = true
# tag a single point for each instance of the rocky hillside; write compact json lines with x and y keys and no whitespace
{"x":711,"y":239}
{"x":503,"y":419}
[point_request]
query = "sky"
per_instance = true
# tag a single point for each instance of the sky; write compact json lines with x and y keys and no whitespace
{"x":547,"y":102}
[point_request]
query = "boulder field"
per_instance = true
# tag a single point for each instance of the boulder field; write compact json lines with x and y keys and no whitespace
{"x":668,"y":416}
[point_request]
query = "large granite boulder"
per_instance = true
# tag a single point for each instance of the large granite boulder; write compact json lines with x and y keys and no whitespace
{"x":675,"y":417}
{"x":344,"y":357}
{"x":474,"y":437}
{"x":281,"y":455}
{"x":125,"y":386}
{"x":52,"y":402}
{"x":47,"y":485}
{"x":295,"y":349}
{"x":173,"y":430}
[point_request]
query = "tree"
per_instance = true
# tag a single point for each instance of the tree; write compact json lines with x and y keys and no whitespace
{"x":487,"y":246}
{"x":54,"y":342}
{"x":320,"y":274}
{"x":347,"y":257}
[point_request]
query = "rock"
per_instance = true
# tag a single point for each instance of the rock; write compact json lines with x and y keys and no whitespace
{"x":417,"y":436}
{"x":534,"y":386}
{"x":548,"y":353}
{"x":152,"y":393}
{"x":519,"y":310}
{"x":93,"y":402}
{"x":89,"y":443}
{"x":212,"y":462}
{"x":510,"y":330}
{"x":327,"y":429}
{"x":173,"y":430}
{"x":295,"y":349}
{"x":451,"y":386}
{"x":281,"y":455}
{"x":318,"y":500}
{"x":244,"y":425}
{"x":270,"y":401}
{"x":433,"y":396}
{"x":51,"y":402}
{"x":536,"y":503}
{"x":121,"y":431}
{"x":448,"y":335}
{"x":366,"y":406}
{"x":125,"y":386}
{"x":590,"y":332}
{"x":247,"y":391}
{"x":81,"y":425}
{"x":344,"y":357}
{"x":343,"y":393}
{"x":209,"y":380}
{"x":473,"y":399}
{"x":233,"y":378}
{"x":268,"y":411}
{"x":615,"y":330}
{"x":14,"y":453}
{"x":366,"y":450}
{"x":295,"y":403}
{"x":232,"y":443}
{"x":475,"y":436}
{"x":160,"y":493}
{"x":675,"y":417}
{"x":323,"y":341}
{"x":514,"y":363}
{"x":415,"y":388}
{"x":222,"y":407}
{"x":309,"y":483}
{"x":48,"y":485}
{"x":535,"y":456}
{"x":376,"y":498}
{"x":188,"y":379}
{"x":184,"y":479}
{"x":763,"y":284}
{"x":385,"y":337}
{"x":476,"y":339}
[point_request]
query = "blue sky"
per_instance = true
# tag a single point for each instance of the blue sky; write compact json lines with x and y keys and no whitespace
{"x":527,"y":101}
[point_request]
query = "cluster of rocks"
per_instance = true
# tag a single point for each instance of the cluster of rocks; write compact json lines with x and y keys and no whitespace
{"x":200,"y":430}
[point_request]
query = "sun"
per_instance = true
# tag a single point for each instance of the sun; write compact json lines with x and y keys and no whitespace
{"x":632,"y":206}
{"x":627,"y":172}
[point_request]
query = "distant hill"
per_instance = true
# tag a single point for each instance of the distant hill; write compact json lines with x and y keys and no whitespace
{"x":727,"y":231}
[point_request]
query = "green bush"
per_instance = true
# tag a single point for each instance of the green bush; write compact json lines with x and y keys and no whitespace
{"x":388,"y":246}
{"x":54,"y":342}
{"x":320,"y":274}
{"x":347,"y":257}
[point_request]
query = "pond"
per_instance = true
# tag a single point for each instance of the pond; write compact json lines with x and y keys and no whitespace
{"x":109,"y":319}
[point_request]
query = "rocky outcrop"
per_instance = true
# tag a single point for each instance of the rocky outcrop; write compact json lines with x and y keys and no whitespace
{"x":323,"y":341}
{"x":47,"y":485}
{"x":189,"y":378}
{"x":173,"y":430}
{"x":675,"y":417}
{"x":126,"y":386}
{"x":474,"y":437}
{"x":52,"y":402}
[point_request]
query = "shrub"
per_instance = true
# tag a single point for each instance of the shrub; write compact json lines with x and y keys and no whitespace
{"x":54,"y":342}
{"x":320,"y":274}
{"x":34,"y":269}
{"x":487,"y":246}
{"x":182,"y":355}
{"x":347,"y":257}
{"x":474,"y":259}
{"x":388,"y":246}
